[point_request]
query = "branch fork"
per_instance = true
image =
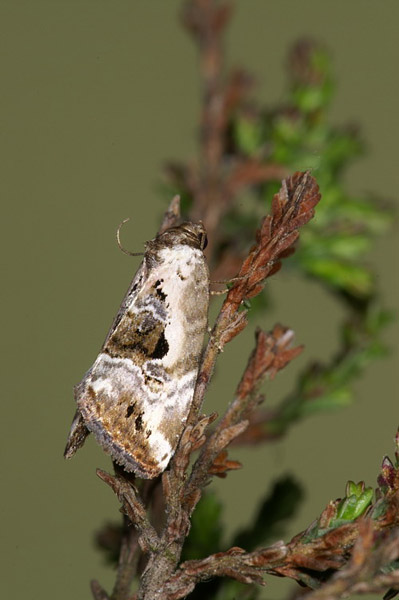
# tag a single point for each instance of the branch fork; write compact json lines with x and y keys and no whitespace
{"x":163,"y":578}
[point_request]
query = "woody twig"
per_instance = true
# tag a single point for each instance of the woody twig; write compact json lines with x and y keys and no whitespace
{"x":214,"y":188}
{"x":157,"y":513}
{"x":137,"y":532}
{"x":364,"y":573}
{"x":308,"y":556}
{"x":272,"y":353}
{"x":358,"y":552}
{"x":293,"y":206}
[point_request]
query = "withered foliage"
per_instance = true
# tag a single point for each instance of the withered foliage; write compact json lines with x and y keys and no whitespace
{"x":182,"y":486}
{"x":347,"y":550}
{"x":332,"y":557}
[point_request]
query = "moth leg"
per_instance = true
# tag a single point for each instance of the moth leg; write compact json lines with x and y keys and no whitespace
{"x":77,"y":435}
{"x":232,"y":280}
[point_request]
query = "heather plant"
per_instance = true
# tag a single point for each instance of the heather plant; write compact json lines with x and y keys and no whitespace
{"x":289,"y":163}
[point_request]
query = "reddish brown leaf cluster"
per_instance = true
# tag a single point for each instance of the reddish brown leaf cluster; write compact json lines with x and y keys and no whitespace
{"x":388,"y":479}
{"x":355,"y":557}
{"x":271,"y":354}
{"x":292,"y":207}
{"x":362,"y":546}
{"x":222,"y":464}
{"x":366,"y":572}
{"x":352,"y":557}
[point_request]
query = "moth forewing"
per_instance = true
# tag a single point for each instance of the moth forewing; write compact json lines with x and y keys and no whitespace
{"x":136,"y":396}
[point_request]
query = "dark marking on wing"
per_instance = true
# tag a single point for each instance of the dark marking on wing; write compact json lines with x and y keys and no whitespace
{"x":161,"y":295}
{"x":139,"y":337}
{"x":139,"y":422}
{"x":129,"y":412}
{"x":161,"y":348}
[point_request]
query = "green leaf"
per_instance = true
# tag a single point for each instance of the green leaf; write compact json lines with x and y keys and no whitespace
{"x":247,"y":135}
{"x":333,"y":400}
{"x":340,"y":274}
{"x":309,"y":98}
{"x":340,"y":148}
{"x":354,"y":504}
{"x":367,"y":213}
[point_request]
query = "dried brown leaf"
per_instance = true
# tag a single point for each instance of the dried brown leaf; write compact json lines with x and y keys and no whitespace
{"x":271,"y":354}
{"x":292,"y":207}
{"x":237,"y":323}
{"x":221,"y":465}
{"x":133,"y":507}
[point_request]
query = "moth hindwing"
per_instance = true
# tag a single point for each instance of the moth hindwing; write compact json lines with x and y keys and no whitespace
{"x":136,"y":397}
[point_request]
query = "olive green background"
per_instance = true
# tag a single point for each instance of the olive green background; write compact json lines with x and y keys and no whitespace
{"x":95,"y":96}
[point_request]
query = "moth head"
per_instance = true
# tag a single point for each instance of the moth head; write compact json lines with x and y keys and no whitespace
{"x":188,"y":234}
{"x":193,"y":234}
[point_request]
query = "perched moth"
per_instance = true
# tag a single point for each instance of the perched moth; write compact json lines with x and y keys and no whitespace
{"x":136,"y":397}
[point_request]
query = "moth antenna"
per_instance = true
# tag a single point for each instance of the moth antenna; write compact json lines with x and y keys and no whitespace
{"x":118,"y":239}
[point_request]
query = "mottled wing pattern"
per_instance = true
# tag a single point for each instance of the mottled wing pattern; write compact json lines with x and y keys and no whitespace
{"x":136,"y":396}
{"x":79,"y":432}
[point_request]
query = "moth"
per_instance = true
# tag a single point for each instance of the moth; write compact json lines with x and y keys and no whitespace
{"x":136,"y":396}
